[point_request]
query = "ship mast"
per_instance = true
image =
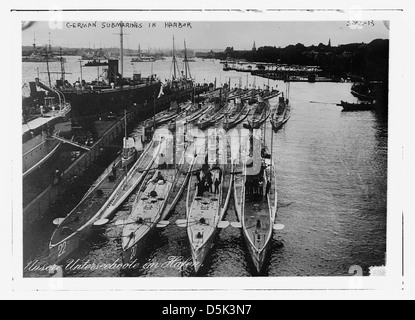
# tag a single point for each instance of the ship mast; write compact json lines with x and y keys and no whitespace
{"x":50,"y":46}
{"x":175,"y":66}
{"x":80,"y":65}
{"x":125,"y":125}
{"x":122,"y":49}
{"x":185,"y":59}
{"x":272,"y":160}
{"x":47,"y":68}
{"x":186,"y":62}
{"x":34,"y":42}
{"x":62,"y":67}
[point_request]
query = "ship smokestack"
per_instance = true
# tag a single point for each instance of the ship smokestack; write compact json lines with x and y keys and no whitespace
{"x":113,"y":71}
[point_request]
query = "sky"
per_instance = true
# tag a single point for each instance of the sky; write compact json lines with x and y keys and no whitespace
{"x":203,"y":35}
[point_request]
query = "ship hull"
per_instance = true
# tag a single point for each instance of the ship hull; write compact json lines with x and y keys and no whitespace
{"x":137,"y":250}
{"x":38,"y":155}
{"x":80,"y":221}
{"x":361,"y":96}
{"x":258,"y":257}
{"x":99,"y":102}
{"x":60,"y":253}
{"x":277,"y":125}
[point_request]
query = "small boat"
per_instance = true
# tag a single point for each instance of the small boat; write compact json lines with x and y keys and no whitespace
{"x":100,"y":201}
{"x":255,"y":195}
{"x":205,"y":209}
{"x":153,"y":203}
{"x":260,"y":115}
{"x":362,"y":106}
{"x":144,"y":59}
{"x":281,"y":114}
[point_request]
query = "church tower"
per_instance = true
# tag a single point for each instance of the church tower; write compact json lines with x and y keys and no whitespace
{"x":254,"y":47}
{"x":329,"y":43}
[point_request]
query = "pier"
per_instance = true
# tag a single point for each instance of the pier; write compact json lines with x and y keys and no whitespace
{"x":288,"y":73}
{"x":37,"y":208}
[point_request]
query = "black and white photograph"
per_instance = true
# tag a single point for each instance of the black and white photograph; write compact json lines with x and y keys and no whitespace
{"x":191,"y":147}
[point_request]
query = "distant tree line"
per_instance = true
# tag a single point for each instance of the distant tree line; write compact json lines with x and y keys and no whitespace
{"x":370,"y":61}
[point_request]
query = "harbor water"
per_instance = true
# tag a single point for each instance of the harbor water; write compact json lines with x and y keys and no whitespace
{"x":332,"y":192}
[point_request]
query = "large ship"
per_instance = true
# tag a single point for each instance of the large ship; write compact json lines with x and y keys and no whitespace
{"x":42,"y":54}
{"x":111,"y":93}
{"x":42,"y":116}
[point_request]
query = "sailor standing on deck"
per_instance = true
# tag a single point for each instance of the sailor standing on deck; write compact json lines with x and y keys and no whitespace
{"x":217,"y":184}
{"x":261,"y":187}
